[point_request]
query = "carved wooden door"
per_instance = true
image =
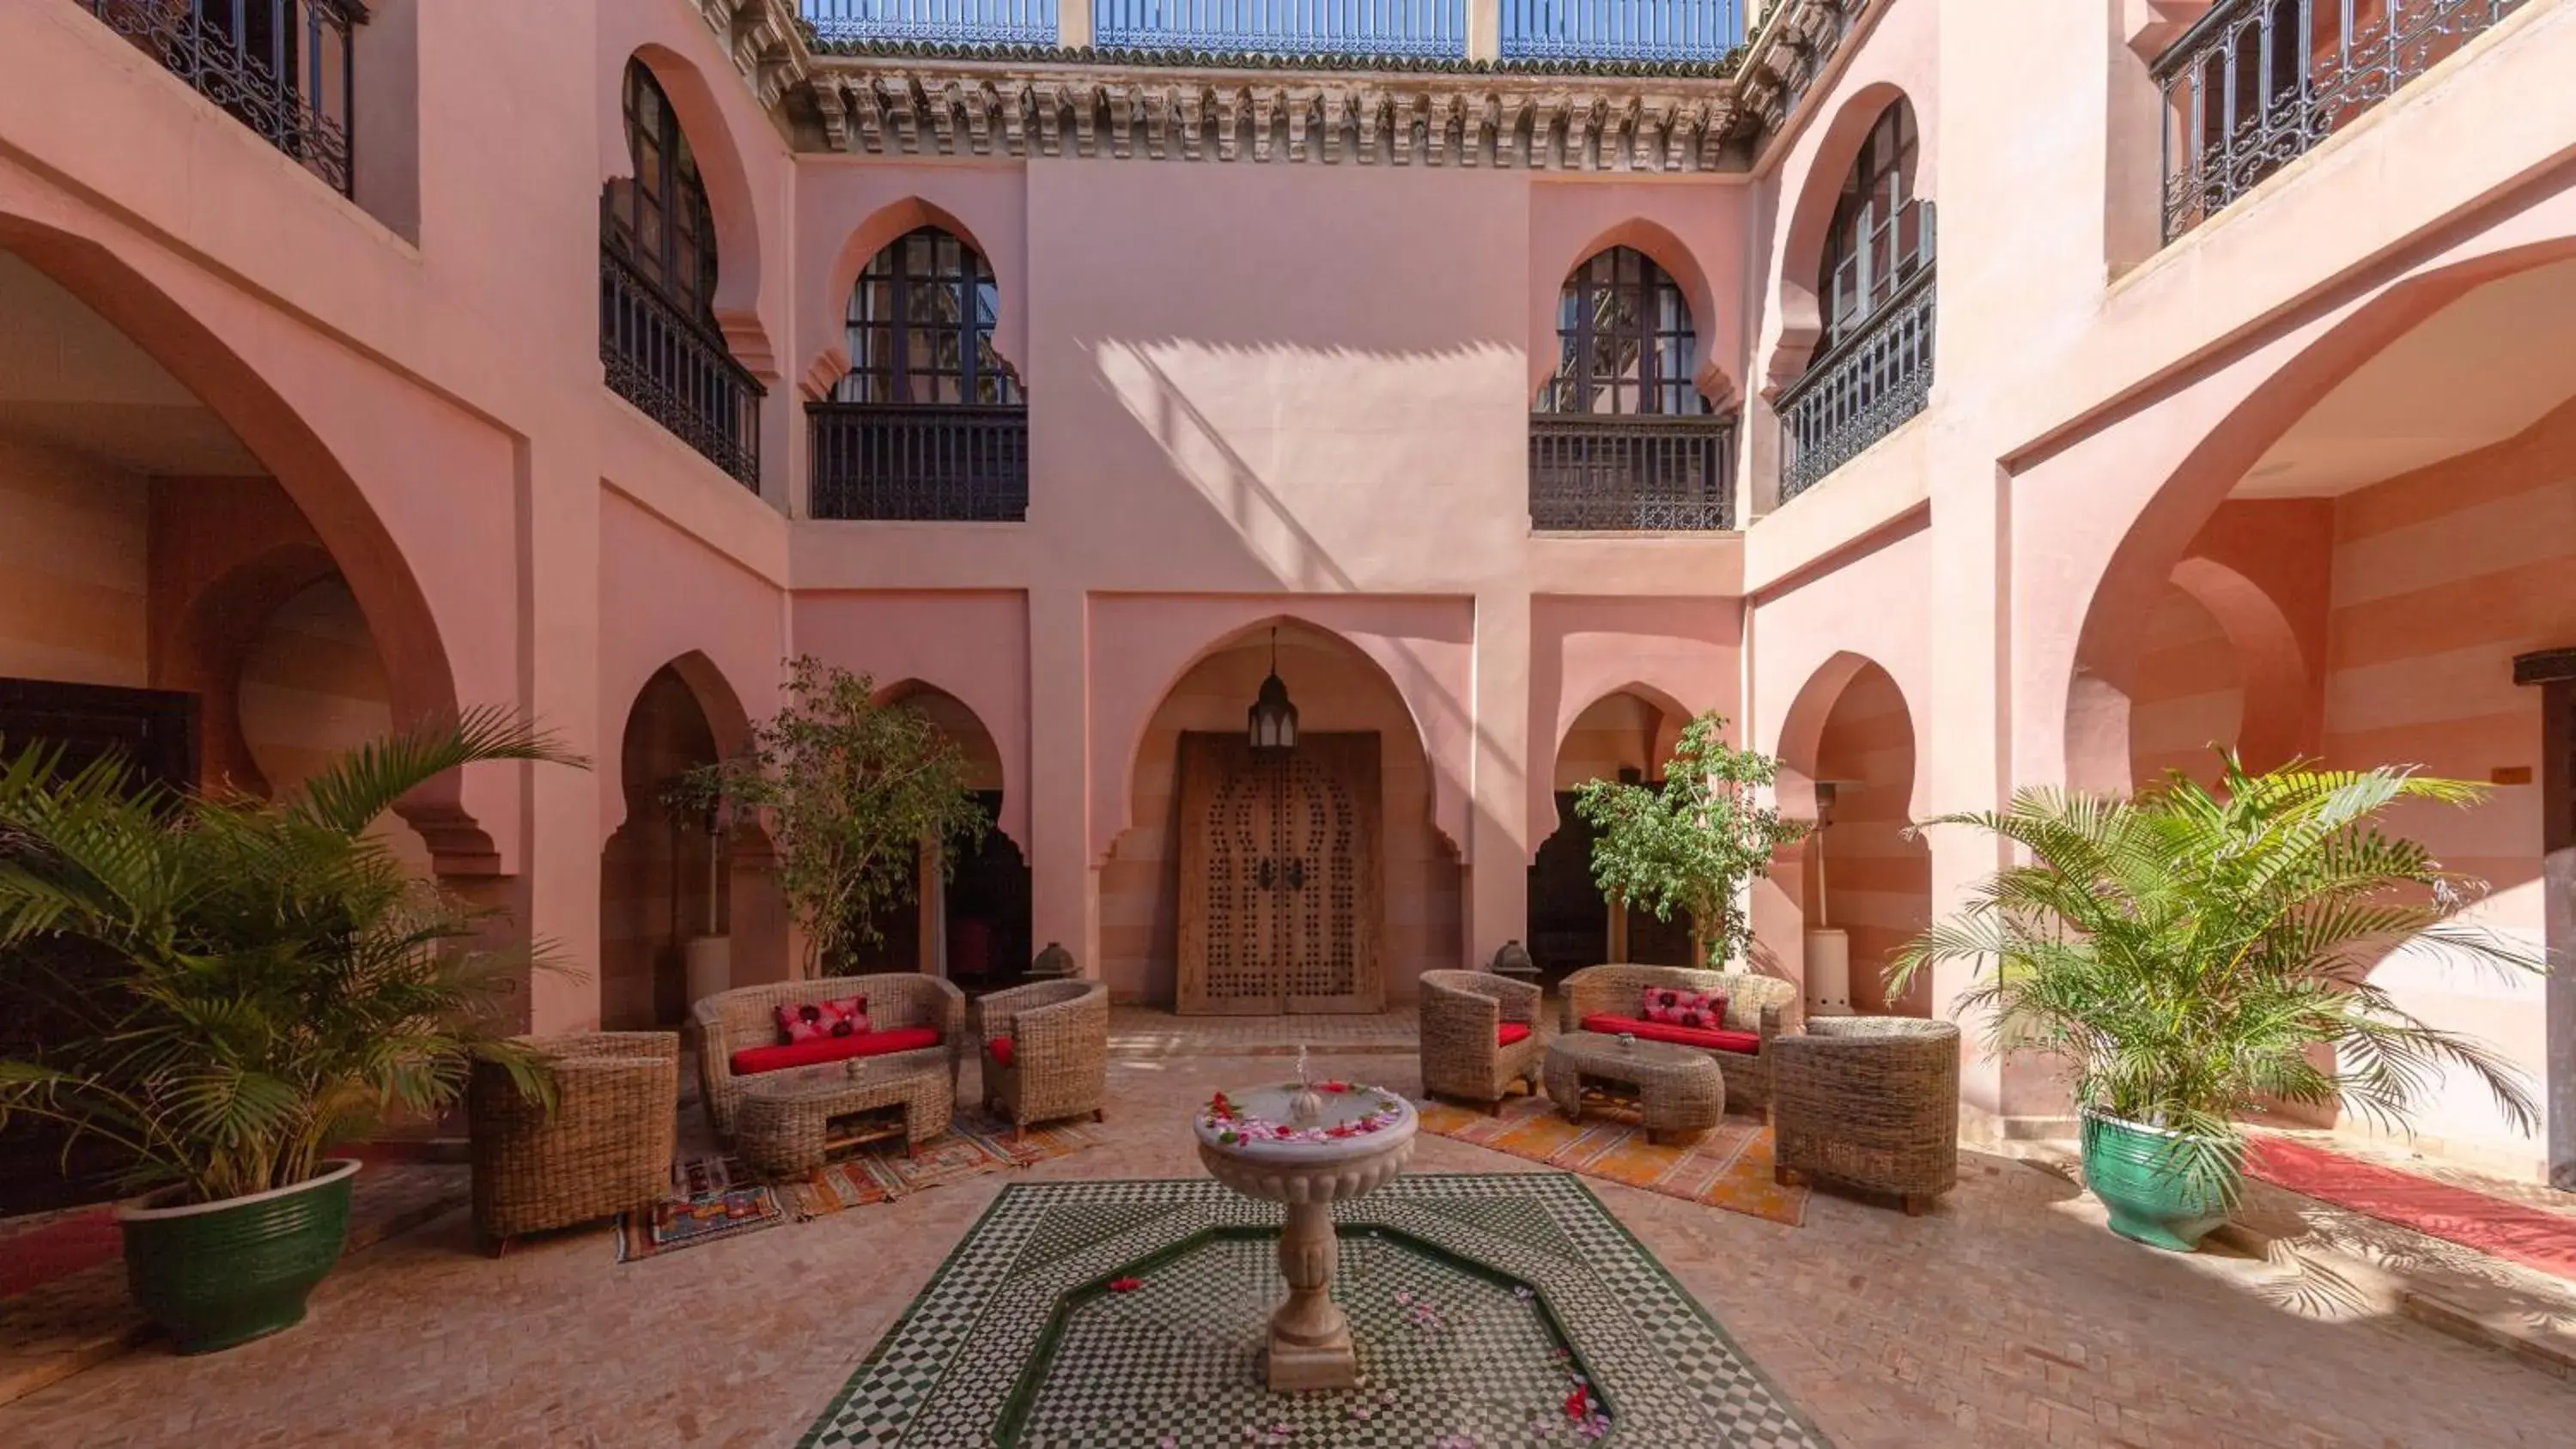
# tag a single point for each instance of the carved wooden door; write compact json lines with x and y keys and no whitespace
{"x":1280,"y":889}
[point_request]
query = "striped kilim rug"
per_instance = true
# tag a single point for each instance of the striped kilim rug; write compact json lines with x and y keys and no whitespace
{"x":1728,"y":1166}
{"x":1499,"y":1310}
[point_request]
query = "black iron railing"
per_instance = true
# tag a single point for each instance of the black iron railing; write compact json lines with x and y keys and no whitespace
{"x":678,"y":371}
{"x":1859,"y":389}
{"x":1664,"y":474}
{"x":2258,"y":83}
{"x":951,"y":463}
{"x":284,"y":68}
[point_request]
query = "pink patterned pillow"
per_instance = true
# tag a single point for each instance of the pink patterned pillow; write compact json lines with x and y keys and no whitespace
{"x":1703,"y":1011}
{"x":814,"y":1020}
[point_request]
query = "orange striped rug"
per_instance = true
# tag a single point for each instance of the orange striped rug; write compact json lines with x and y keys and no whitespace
{"x":1729,"y":1166}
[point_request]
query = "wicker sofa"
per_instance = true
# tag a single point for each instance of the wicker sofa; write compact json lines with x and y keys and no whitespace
{"x":604,"y":1147}
{"x":1464,"y":1016}
{"x":1870,"y":1102}
{"x":1044,"y":1051}
{"x":746,"y":1019}
{"x":1759,"y":1011}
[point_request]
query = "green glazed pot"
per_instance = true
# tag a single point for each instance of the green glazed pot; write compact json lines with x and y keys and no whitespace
{"x":217,"y":1274}
{"x":2139,"y":1174}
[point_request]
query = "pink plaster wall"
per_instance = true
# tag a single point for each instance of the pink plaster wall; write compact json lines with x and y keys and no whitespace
{"x":73,"y":583}
{"x":1876,"y":884}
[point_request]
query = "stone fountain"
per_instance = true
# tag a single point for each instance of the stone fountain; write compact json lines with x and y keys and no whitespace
{"x":1307,"y":1145}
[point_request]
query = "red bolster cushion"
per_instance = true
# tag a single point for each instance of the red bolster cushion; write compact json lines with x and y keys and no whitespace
{"x":1002,"y":1049}
{"x":752,"y":1061}
{"x":1749,"y":1043}
{"x":1510,"y":1032}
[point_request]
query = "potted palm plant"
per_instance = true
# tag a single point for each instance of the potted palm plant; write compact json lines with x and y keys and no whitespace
{"x":2195,"y":955}
{"x":265,"y":983}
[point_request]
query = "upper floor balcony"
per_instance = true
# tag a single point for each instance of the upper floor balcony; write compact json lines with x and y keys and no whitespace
{"x":2256,"y":84}
{"x":284,"y":68}
{"x":1674,"y":31}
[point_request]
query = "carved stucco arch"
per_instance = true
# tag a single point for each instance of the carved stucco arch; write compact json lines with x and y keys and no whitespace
{"x":1794,"y":302}
{"x":1014,"y":820}
{"x":1802,"y":732}
{"x":1578,"y":696}
{"x":420,"y":680}
{"x":1446,"y":805}
{"x":2100,"y":676}
{"x":878,"y":230}
{"x":740,"y":256}
{"x":1718,"y":328}
{"x":719,"y":704}
{"x":2277,"y":679}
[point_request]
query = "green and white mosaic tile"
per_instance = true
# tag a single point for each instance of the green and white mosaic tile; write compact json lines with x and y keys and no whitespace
{"x":1476,"y":1302}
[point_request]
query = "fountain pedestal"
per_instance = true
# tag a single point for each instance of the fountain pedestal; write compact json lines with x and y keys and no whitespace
{"x":1308,"y":1170}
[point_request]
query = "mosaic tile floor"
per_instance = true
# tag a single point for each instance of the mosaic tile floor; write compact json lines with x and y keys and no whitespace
{"x":1017,"y":1342}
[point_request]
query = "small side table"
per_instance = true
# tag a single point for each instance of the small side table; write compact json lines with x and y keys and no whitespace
{"x":785,"y":1123}
{"x":1677,"y":1090}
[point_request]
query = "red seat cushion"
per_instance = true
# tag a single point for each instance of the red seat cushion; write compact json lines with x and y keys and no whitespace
{"x":752,"y":1061}
{"x":1749,"y":1043}
{"x":1002,"y":1049}
{"x":1509,"y":1032}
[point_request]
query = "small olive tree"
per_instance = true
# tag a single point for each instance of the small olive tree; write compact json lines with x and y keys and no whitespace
{"x":851,"y":789}
{"x":1693,"y":841}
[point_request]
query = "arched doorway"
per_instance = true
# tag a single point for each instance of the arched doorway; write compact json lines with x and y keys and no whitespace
{"x":1620,"y":736}
{"x":1186,"y":916}
{"x":659,"y":875}
{"x":1865,"y":877}
{"x":969,"y":920}
{"x":2410,"y":472}
{"x":169,"y":598}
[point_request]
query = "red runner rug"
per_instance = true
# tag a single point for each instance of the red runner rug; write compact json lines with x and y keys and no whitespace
{"x":36,"y":1256}
{"x":2535,"y":1239}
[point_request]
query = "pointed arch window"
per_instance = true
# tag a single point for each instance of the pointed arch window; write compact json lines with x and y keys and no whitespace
{"x":659,"y":342}
{"x":1880,"y":237}
{"x":921,"y":325}
{"x":1624,"y":342}
{"x":1621,"y":437}
{"x":1872,"y":365}
{"x":929,"y":423}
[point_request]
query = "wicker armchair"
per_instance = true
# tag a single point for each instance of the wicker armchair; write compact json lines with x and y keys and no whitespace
{"x":1059,"y":1035}
{"x":747,"y":1016}
{"x":603,"y":1148}
{"x":1462,"y":1056}
{"x":1871,"y":1102}
{"x":1763,"y":1005}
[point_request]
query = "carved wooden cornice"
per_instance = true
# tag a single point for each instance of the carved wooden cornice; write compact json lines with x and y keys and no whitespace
{"x":918,"y":100}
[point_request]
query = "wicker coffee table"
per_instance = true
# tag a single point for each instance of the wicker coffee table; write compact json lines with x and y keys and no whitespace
{"x":1678,"y":1090}
{"x":786,"y":1122}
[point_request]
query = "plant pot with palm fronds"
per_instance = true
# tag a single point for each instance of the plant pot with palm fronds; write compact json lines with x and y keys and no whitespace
{"x":2195,"y":956}
{"x":277,"y":985}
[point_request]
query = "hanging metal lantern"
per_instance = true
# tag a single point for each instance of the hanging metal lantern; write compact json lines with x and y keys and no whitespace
{"x":1272,"y":720}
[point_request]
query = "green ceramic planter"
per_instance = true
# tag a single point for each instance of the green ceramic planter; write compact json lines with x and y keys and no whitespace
{"x":218,"y":1274}
{"x":2138,"y":1172}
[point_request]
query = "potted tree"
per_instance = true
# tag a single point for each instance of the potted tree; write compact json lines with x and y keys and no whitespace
{"x":2194,"y":955}
{"x":853,"y":789}
{"x":1692,"y":841}
{"x":267,"y":983}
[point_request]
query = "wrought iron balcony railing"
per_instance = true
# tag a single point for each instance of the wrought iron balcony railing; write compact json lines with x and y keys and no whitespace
{"x":1603,"y":473}
{"x":678,"y":371}
{"x":284,"y":68}
{"x":957,"y":22}
{"x":2258,"y":83}
{"x":1859,"y":389}
{"x":949,"y":462}
{"x":1621,"y":29}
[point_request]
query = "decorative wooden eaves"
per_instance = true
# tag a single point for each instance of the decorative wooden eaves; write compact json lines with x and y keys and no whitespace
{"x":911,"y":107}
{"x":909,"y":100}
